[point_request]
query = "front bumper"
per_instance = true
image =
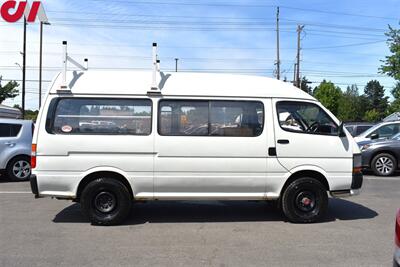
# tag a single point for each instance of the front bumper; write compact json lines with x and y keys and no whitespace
{"x":345,"y":193}
{"x":354,"y":190}
{"x":34,"y":185}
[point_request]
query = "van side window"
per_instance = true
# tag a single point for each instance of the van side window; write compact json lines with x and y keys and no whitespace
{"x":102,"y":116}
{"x":9,"y":130}
{"x":211,"y":118}
{"x":304,"y":117}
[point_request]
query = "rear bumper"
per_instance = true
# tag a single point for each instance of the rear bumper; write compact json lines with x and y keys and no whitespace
{"x":34,"y":185}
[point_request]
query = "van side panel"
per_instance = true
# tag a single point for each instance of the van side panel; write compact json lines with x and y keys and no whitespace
{"x":211,"y":167}
{"x":63,"y":160}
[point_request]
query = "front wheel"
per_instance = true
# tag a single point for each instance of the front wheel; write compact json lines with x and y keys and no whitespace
{"x":106,"y":201}
{"x":384,"y":164}
{"x":305,"y":200}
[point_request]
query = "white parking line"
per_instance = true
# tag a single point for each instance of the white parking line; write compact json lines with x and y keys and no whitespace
{"x":383,"y":178}
{"x":15,"y":192}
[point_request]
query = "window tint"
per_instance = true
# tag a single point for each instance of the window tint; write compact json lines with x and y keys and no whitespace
{"x":386,"y":131}
{"x":303,"y":117}
{"x":103,"y":116}
{"x":9,"y":130}
{"x":211,"y":118}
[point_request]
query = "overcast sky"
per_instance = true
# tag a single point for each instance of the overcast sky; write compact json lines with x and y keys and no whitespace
{"x":343,"y":41}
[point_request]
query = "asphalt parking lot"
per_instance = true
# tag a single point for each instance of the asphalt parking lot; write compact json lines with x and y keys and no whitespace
{"x":358,"y":231}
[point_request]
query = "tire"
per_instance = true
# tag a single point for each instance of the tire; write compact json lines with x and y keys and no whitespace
{"x":305,"y":200}
{"x":19,"y":169}
{"x":106,"y":201}
{"x":384,"y":164}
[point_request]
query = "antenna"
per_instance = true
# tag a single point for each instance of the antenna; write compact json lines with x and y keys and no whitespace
{"x":156,"y":70}
{"x":66,"y":58}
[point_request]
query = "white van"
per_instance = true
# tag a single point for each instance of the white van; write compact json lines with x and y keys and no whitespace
{"x":108,"y":141}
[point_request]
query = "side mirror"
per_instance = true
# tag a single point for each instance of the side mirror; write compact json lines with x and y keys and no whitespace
{"x":374,"y":136}
{"x":341,"y":132}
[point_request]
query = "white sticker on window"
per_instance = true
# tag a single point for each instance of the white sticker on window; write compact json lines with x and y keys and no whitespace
{"x":66,"y":129}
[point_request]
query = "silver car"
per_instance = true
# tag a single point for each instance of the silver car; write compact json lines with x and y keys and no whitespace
{"x":15,"y":148}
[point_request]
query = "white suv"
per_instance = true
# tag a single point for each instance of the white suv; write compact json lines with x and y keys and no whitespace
{"x":15,"y":148}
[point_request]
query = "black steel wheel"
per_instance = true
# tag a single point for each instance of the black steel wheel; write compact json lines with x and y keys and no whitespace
{"x":305,"y":200}
{"x":106,"y":201}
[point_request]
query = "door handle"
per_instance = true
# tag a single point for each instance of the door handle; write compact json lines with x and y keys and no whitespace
{"x":283,"y":141}
{"x":10,"y":144}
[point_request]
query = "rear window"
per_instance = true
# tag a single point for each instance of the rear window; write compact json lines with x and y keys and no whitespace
{"x":102,"y":116}
{"x":9,"y":130}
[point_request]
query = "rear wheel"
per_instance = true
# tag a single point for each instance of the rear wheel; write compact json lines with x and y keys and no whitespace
{"x":19,"y":168}
{"x":106,"y":201}
{"x":305,"y":200}
{"x":384,"y":164}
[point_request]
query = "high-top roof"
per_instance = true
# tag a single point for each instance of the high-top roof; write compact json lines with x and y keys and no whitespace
{"x":178,"y":84}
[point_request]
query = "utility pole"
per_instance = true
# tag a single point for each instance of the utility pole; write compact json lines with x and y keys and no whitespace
{"x":40,"y":64}
{"x":45,"y":22}
{"x":278,"y":61}
{"x":23,"y":70}
{"x":299,"y":30}
{"x":294,"y":74}
{"x":176,"y":64}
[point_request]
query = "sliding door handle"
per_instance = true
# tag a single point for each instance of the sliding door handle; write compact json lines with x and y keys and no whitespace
{"x":283,"y":141}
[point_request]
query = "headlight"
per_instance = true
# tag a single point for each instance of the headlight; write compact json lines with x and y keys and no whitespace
{"x":364,"y":147}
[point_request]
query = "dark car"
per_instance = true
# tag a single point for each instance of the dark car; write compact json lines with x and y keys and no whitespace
{"x":382,"y":155}
{"x":356,"y":128}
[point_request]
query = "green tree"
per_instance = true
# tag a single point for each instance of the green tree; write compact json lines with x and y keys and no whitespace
{"x":395,"y":105}
{"x":391,"y":65}
{"x":8,"y":91}
{"x":350,"y":107}
{"x":372,"y":115}
{"x":376,"y":99}
{"x":305,"y":85}
{"x":329,"y":95}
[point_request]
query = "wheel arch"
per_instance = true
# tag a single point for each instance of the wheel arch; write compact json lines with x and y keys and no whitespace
{"x":105,"y":174}
{"x":305,"y":173}
{"x":17,"y":156}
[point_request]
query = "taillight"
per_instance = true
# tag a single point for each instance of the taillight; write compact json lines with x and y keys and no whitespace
{"x":357,"y":163}
{"x":33,"y":156}
{"x":397,"y":238}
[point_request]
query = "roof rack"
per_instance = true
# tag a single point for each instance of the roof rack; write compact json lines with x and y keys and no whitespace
{"x":64,"y":88}
{"x":156,"y":70}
